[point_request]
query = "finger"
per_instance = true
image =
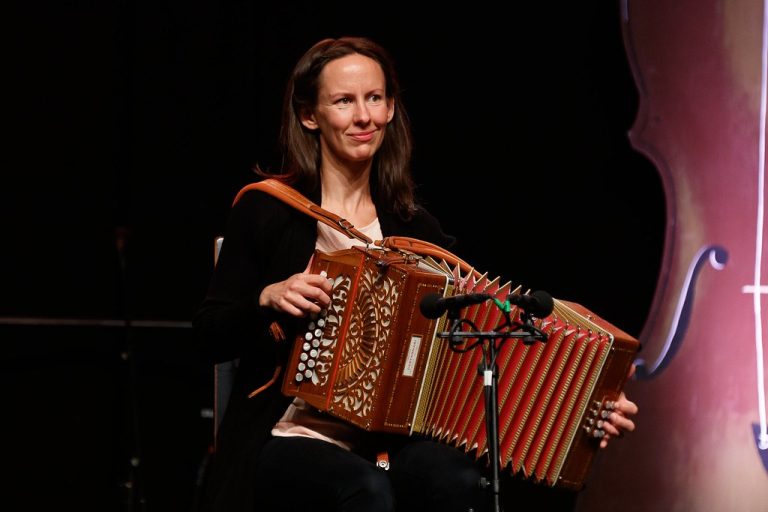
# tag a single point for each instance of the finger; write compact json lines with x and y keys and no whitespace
{"x":632,"y":370}
{"x":605,"y":439}
{"x":318,"y":288}
{"x":319,"y":296}
{"x":287,"y":307}
{"x":297,"y":305}
{"x":316,"y":280}
{"x":627,"y":407}
{"x":610,"y":430}
{"x":621,"y":422}
{"x":328,"y":285}
{"x":308,"y":307}
{"x":313,"y":287}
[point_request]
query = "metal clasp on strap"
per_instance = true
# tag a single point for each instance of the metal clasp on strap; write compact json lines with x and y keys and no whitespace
{"x":346,"y":226}
{"x":351,"y":232}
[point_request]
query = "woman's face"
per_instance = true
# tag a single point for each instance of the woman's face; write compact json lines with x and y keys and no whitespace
{"x":352,"y":110}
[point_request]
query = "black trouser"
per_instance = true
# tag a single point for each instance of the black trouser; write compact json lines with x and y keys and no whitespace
{"x":303,"y":474}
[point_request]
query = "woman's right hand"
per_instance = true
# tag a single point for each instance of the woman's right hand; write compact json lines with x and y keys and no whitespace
{"x":298,"y":295}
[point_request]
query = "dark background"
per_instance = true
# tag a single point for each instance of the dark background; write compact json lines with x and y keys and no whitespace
{"x":130,"y":126}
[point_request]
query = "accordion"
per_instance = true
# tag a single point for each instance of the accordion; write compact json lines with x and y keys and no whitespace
{"x":372,"y":359}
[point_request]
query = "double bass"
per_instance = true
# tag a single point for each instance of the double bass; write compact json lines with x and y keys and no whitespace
{"x":702,"y":441}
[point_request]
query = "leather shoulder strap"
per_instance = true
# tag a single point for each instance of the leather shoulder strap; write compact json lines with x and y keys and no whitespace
{"x":423,"y":248}
{"x":292,"y":197}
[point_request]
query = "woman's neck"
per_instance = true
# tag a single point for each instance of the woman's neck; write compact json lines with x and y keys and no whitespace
{"x":348,"y":193}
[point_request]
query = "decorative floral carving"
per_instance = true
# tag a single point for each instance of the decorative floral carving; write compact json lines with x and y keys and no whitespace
{"x":363,"y":352}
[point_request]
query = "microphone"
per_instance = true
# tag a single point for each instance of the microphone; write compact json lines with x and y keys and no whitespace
{"x":539,"y":304}
{"x":433,"y":305}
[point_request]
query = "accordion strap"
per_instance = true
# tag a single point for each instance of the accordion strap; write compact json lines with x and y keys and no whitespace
{"x":292,"y":197}
{"x":423,"y":248}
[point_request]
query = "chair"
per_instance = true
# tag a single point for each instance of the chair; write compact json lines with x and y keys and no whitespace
{"x":223,"y":373}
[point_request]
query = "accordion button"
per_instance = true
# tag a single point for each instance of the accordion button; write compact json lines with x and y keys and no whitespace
{"x":313,"y":353}
{"x":311,"y":363}
{"x":308,"y":336}
{"x":303,"y":356}
{"x":299,"y":377}
{"x":308,"y":374}
{"x":318,"y":332}
{"x":321,"y":322}
{"x":302,"y":367}
{"x":315,"y":343}
{"x":311,"y":326}
{"x":306,"y":346}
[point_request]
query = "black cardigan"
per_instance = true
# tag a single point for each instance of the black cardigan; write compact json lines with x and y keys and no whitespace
{"x":266,"y":241}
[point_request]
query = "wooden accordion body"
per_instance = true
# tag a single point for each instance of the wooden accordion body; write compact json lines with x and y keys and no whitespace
{"x":374,"y":360}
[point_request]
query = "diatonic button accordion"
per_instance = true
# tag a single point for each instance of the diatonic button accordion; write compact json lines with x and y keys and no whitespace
{"x":372,"y":359}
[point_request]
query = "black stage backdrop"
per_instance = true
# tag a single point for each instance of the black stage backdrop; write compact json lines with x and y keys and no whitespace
{"x":130,"y":126}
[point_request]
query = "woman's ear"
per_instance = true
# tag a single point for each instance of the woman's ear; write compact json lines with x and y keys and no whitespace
{"x":390,"y":109}
{"x":308,"y":120}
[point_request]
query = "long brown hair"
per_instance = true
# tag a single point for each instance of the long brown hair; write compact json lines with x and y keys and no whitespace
{"x":391,"y":181}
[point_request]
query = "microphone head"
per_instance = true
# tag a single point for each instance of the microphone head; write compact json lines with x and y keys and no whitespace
{"x":542,"y":304}
{"x":539,"y":303}
{"x":430,"y":306}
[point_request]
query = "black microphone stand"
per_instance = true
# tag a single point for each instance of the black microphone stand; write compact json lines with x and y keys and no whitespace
{"x":132,"y":485}
{"x":489,"y":371}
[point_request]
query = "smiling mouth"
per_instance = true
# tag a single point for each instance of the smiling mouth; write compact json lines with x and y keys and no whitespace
{"x":362,"y":137}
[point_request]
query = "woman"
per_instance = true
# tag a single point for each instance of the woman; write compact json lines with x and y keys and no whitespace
{"x":347,"y":143}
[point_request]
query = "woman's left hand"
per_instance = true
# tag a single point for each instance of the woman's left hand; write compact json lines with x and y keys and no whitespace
{"x":620,"y":420}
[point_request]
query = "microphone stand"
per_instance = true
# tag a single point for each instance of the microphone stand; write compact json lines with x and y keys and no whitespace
{"x":489,"y":371}
{"x":133,"y":498}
